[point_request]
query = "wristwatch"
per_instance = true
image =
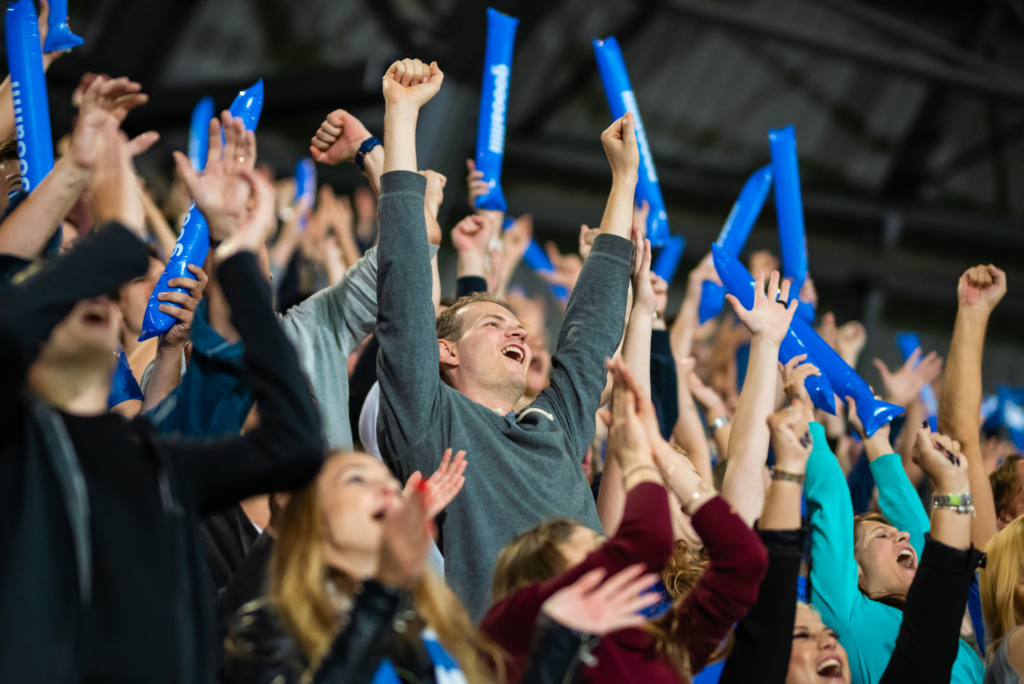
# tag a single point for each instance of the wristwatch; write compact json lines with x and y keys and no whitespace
{"x":719,"y":422}
{"x":364,"y":150}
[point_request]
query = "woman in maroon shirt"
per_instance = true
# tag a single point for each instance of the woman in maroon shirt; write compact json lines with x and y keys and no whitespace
{"x":696,"y":626}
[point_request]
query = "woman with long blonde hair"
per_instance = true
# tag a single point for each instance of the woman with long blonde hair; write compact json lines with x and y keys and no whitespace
{"x":1001,"y":584}
{"x":350,"y":597}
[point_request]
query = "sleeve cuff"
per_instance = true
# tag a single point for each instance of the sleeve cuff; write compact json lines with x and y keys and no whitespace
{"x":402,"y":181}
{"x":783,"y":541}
{"x":612,"y":245}
{"x":950,"y":560}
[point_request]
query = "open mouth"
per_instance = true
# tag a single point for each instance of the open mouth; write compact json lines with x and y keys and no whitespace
{"x":380,"y":515}
{"x":830,"y":667}
{"x":906,"y":559}
{"x":514,"y":353}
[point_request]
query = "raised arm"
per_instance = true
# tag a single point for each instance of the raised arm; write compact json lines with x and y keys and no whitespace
{"x":979,"y":291}
{"x":636,"y":354}
{"x":619,"y":141}
{"x":763,"y":637}
{"x":768,"y":322}
{"x":926,"y":647}
{"x":284,"y":452}
{"x":106,"y":102}
{"x":407,"y":366}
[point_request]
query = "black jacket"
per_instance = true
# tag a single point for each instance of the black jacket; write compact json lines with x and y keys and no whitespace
{"x":45,"y":548}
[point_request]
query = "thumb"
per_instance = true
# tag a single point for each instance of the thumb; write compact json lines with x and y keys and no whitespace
{"x":628,"y":128}
{"x":882,"y":369}
{"x":143,"y":142}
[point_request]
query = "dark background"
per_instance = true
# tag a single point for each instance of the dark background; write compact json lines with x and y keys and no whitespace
{"x":908,"y":115}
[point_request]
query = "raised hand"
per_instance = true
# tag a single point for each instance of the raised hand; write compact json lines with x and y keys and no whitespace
{"x":338,"y":138}
{"x":256,"y":226}
{"x":114,"y":190}
{"x":708,"y":398}
{"x":980,"y":288}
{"x":619,"y":141}
{"x":795,"y":374}
{"x":850,"y":339}
{"x":592,"y":607}
{"x":408,"y":528}
{"x":902,"y":386}
{"x":567,"y":267}
{"x":644,"y":300}
{"x":184,"y":312}
{"x":443,"y":485}
{"x":769,"y":317}
{"x":705,"y":271}
{"x":791,"y":436}
{"x":628,"y":440}
{"x":104,"y":101}
{"x":940,"y":458}
{"x":410,"y":82}
{"x":587,"y":235}
{"x":476,"y":183}
{"x":434,"y":194}
{"x":221,"y":192}
{"x":471,"y":235}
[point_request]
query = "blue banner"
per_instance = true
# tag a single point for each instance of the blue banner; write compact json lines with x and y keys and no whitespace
{"x":123,"y":386}
{"x":490,"y":129}
{"x":621,"y":99}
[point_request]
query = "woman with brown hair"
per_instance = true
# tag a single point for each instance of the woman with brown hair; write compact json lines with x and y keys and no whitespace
{"x":350,"y":597}
{"x":540,"y":562}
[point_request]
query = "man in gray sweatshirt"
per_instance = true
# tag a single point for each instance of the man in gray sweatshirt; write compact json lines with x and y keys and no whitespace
{"x":453,"y":381}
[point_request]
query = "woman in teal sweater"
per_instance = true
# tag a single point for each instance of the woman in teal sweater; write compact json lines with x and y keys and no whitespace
{"x":881,"y":563}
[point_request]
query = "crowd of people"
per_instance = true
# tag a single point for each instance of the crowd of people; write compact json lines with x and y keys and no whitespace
{"x":336,"y":474}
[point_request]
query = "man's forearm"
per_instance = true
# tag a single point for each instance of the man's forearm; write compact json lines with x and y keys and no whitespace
{"x":164,"y":378}
{"x":373,"y":167}
{"x":27,"y":230}
{"x":689,"y":431}
{"x":219,"y":310}
{"x":748,"y":444}
{"x":618,"y":213}
{"x":400,"y":139}
{"x":959,"y":415}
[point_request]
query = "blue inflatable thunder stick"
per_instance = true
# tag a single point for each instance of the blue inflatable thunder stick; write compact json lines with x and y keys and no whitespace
{"x":305,"y":187}
{"x":908,"y":342}
{"x":199,"y":133}
{"x":58,"y":35}
{"x":31,"y":109}
{"x":667,"y":262}
{"x":123,"y":386}
{"x":873,"y":413}
{"x":490,"y":128}
{"x":734,"y":235}
{"x":738,"y":281}
{"x":194,"y":241}
{"x":789,"y":208}
{"x":621,"y":100}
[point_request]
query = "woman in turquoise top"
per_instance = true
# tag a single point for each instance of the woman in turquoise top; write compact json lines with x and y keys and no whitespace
{"x":881,"y":563}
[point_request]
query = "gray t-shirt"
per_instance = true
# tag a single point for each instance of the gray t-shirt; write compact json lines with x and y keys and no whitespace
{"x":522,"y":469}
{"x":999,"y":670}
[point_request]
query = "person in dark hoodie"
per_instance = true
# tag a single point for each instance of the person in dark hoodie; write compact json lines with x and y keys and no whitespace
{"x":101,"y":568}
